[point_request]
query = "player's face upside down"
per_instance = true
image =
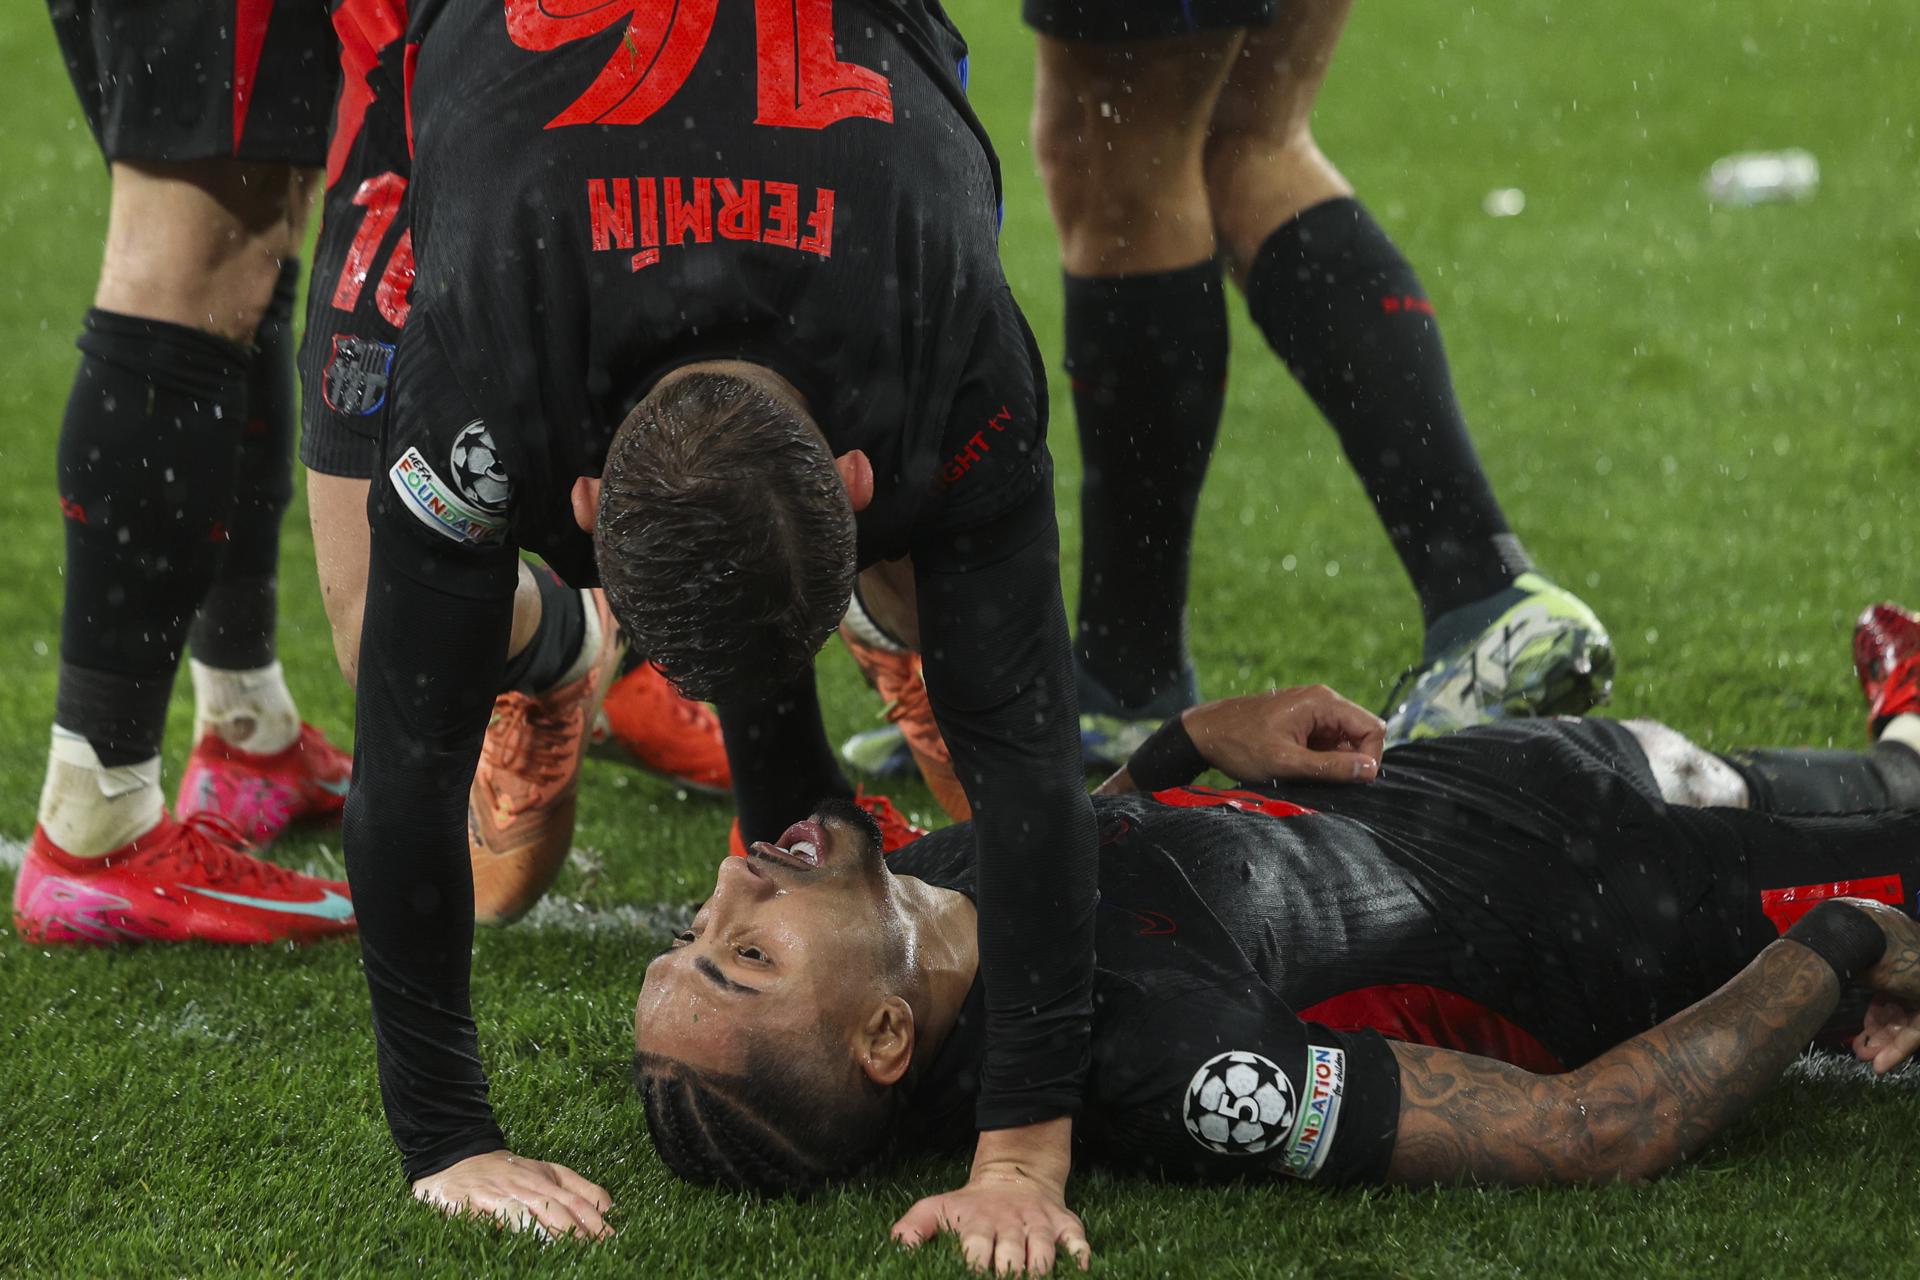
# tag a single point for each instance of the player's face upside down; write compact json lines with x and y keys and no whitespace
{"x":799,"y":947}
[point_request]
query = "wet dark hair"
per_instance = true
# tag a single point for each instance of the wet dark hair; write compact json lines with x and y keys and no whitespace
{"x":771,"y":1129}
{"x":724,"y":537}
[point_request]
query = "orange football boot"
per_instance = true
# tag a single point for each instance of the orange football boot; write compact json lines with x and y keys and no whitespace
{"x":663,"y":732}
{"x":896,"y":678}
{"x":520,"y":810}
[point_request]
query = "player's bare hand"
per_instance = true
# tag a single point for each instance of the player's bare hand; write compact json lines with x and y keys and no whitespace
{"x":1897,"y":975}
{"x":1012,"y":1216}
{"x":1309,"y":732}
{"x":1890,"y":1035}
{"x":520,"y":1194}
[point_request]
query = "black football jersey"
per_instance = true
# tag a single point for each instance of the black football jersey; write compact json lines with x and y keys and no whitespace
{"x":603,"y":196}
{"x":1256,"y":948}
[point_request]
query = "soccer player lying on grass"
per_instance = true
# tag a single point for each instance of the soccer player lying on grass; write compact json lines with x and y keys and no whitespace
{"x":1539,"y":951}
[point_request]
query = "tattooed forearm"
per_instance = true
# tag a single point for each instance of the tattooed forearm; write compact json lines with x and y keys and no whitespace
{"x":1630,"y":1113}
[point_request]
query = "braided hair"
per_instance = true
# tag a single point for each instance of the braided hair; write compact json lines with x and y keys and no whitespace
{"x":759,"y":1131}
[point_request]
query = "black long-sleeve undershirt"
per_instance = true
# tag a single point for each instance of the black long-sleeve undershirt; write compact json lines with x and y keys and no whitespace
{"x":999,"y":670}
{"x":433,"y":651}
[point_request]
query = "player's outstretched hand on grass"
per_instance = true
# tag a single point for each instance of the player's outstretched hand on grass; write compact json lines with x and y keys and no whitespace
{"x":520,"y":1193}
{"x":1307,"y":733}
{"x":1012,"y":1216}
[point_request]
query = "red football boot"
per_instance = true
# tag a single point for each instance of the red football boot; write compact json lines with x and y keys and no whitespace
{"x":1886,"y":656}
{"x":185,"y":881}
{"x":261,"y":794}
{"x":895,"y":828}
{"x":663,"y":732}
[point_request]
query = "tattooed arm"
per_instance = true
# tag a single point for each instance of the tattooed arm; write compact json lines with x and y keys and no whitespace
{"x":1641,"y":1108}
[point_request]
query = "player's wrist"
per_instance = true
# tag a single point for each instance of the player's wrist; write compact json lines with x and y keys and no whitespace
{"x":1843,"y":935}
{"x":1168,"y":758}
{"x":1040,"y":1152}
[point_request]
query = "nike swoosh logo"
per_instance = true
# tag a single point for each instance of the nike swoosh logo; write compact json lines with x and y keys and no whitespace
{"x":331,"y":905}
{"x":337,"y":788}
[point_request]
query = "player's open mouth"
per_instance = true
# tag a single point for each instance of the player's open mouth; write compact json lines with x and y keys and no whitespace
{"x":803,"y":844}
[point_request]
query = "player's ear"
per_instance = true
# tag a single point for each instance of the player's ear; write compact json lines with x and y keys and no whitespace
{"x":884,"y":1045}
{"x":856,"y":473}
{"x":586,"y":502}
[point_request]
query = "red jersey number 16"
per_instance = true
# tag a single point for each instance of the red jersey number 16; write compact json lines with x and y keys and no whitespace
{"x":802,"y":85}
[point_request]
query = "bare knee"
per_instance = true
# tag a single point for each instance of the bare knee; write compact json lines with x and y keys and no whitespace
{"x":1118,"y":136}
{"x":200,"y":244}
{"x":1258,"y":180}
{"x":1687,"y":773}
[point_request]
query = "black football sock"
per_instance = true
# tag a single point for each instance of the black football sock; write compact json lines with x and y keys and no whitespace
{"x":1795,"y":780}
{"x":1148,"y":359}
{"x":1899,"y":766}
{"x":783,"y":765}
{"x":1347,"y":314}
{"x":555,"y":645}
{"x":235,"y":629}
{"x":146,"y":472}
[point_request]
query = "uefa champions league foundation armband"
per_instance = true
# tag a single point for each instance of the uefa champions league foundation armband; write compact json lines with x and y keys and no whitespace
{"x":1843,"y":935}
{"x":1167,"y":758}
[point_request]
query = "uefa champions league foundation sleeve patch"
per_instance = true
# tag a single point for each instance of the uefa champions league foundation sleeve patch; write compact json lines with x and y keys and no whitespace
{"x":472,"y":506}
{"x":1240,"y":1104}
{"x":1243,"y":1104}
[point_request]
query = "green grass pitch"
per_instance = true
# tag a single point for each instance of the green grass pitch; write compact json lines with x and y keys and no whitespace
{"x":1702,"y":420}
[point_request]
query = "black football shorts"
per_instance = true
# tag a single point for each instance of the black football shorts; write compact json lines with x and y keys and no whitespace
{"x":1110,"y":21}
{"x":361,"y":291}
{"x":202,"y":79}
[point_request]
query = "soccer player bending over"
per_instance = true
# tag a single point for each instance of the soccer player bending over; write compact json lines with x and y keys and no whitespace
{"x":1541,"y":951}
{"x":708,"y":310}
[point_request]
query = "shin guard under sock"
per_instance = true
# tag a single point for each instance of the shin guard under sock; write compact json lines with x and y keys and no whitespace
{"x":235,"y":629}
{"x":1148,"y":359}
{"x":146,"y":473}
{"x":555,"y":647}
{"x":1345,"y":311}
{"x":782,"y":764}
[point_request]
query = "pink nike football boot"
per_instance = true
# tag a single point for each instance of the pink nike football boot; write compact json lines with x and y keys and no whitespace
{"x":185,"y":881}
{"x":261,"y":794}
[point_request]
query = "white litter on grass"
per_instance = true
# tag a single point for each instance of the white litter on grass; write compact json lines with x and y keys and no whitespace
{"x":1504,"y":202}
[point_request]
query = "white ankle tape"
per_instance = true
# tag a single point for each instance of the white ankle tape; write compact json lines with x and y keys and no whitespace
{"x":1903,"y":729}
{"x":867,"y":631}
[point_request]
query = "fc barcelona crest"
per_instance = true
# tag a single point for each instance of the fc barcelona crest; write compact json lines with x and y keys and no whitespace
{"x":356,"y":377}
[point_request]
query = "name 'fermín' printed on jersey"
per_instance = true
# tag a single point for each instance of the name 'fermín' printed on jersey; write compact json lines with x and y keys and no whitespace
{"x":684,"y":212}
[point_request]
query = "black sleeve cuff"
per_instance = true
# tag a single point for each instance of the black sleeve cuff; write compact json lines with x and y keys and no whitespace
{"x":1166,"y":759}
{"x":448,"y":1152}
